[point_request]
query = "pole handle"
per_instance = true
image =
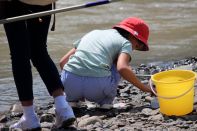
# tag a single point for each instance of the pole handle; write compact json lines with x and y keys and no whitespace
{"x":100,"y":2}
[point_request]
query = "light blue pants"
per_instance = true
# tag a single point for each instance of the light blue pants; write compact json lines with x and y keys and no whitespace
{"x":101,"y":90}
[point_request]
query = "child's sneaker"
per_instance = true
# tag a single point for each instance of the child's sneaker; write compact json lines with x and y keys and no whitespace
{"x":64,"y":117}
{"x":27,"y":124}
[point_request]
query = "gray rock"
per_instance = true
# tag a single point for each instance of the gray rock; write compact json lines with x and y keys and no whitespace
{"x":158,"y":117}
{"x":89,"y":120}
{"x":16,"y":108}
{"x":3,"y":119}
{"x":190,"y":117}
{"x":47,"y":118}
{"x":149,"y":112}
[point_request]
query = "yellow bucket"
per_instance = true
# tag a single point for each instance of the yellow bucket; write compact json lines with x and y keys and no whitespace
{"x":175,"y":91}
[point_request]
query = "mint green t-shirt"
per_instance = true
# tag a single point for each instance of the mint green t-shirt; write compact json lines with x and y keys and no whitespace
{"x":96,"y":53}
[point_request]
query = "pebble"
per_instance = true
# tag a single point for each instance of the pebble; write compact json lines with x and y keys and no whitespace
{"x":89,"y":121}
{"x":154,"y":103}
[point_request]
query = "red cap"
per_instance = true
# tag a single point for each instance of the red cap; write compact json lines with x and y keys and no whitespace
{"x":137,"y":27}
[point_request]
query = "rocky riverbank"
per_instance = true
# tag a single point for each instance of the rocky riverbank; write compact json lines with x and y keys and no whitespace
{"x":133,"y":109}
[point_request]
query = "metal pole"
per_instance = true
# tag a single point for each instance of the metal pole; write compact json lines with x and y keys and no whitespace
{"x":50,"y":12}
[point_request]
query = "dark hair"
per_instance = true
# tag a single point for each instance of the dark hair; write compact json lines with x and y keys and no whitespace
{"x":123,"y":32}
{"x":144,"y":47}
{"x":126,"y":35}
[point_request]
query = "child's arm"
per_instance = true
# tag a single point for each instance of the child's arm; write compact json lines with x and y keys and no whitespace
{"x":65,"y":58}
{"x":126,"y":72}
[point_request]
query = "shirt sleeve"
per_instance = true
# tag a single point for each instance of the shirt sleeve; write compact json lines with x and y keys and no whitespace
{"x":126,"y":48}
{"x":76,"y":43}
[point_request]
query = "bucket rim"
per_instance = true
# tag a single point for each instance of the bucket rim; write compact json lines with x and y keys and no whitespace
{"x":174,"y":70}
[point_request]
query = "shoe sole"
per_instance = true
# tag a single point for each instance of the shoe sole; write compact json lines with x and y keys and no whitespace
{"x":68,"y":122}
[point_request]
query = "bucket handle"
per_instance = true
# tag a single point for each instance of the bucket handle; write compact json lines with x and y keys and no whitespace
{"x":173,"y":97}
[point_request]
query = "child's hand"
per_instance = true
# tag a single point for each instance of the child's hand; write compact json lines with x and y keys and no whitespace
{"x":147,"y":89}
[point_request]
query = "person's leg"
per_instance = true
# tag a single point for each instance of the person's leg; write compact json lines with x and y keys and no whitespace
{"x":38,"y":31}
{"x":111,"y":91}
{"x":95,"y":90}
{"x":3,"y":5}
{"x":73,"y":86}
{"x":20,"y":54}
{"x":19,"y":50}
{"x":102,"y":90}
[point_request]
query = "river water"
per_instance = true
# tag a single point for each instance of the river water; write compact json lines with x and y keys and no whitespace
{"x":173,"y":35}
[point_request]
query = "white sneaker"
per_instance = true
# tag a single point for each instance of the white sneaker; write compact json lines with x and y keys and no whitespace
{"x":64,"y":117}
{"x":92,"y":105}
{"x":27,"y":124}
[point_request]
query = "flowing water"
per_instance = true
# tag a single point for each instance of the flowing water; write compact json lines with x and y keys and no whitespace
{"x":173,"y":35}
